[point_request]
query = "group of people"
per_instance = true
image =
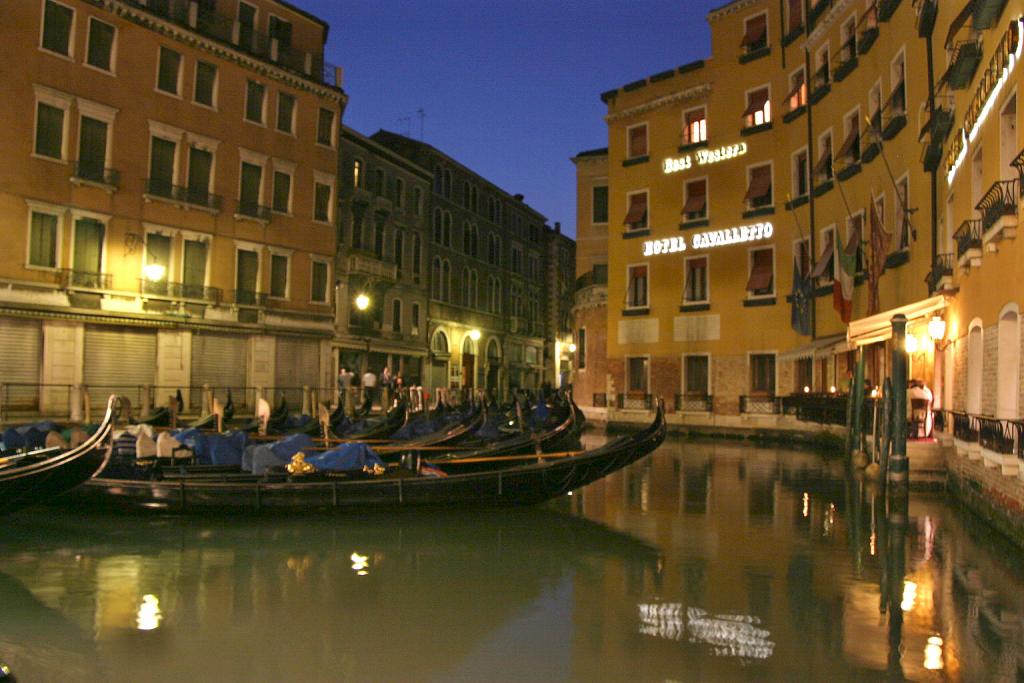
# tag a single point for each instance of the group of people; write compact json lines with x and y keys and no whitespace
{"x":371,"y":384}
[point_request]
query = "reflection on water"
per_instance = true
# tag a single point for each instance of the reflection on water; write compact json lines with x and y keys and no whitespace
{"x":705,"y":562}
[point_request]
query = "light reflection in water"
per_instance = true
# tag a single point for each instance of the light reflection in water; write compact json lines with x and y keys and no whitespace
{"x":933,"y":654}
{"x":149,"y":616}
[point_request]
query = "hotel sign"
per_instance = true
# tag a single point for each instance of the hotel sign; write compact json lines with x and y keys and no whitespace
{"x":703,"y":157}
{"x":985,"y":97}
{"x":710,"y":239}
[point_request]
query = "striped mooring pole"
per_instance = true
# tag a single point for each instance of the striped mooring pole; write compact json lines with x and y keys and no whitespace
{"x":899,"y":466}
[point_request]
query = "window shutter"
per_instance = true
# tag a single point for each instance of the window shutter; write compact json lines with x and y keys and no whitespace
{"x":49,"y":131}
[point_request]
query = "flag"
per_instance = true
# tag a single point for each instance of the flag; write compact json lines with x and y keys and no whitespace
{"x":842,"y":286}
{"x":880,"y":241}
{"x":800,"y":308}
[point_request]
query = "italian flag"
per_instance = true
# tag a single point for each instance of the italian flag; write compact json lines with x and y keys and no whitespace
{"x":846,"y":267}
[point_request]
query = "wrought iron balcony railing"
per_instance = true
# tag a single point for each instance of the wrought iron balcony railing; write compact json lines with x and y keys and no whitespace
{"x":94,"y":172}
{"x":1000,"y":200}
{"x":69,"y":278}
{"x":967,"y":237}
{"x":942,"y":268}
{"x":179,"y":290}
{"x":760,"y":405}
{"x":254,"y":210}
{"x":633,"y":401}
{"x":694,"y":403}
{"x":962,"y":65}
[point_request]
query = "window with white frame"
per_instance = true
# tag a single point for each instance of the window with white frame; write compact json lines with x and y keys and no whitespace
{"x":761,"y":269}
{"x":286,"y":113}
{"x":168,"y":77}
{"x":850,"y":150}
{"x":282,"y":197}
{"x":848,"y":36}
{"x":897,"y":79}
{"x":755,"y":33}
{"x":205,"y":92}
{"x":637,"y":283}
{"x":822,"y":69}
{"x":797,"y":96}
{"x":636,"y":214}
{"x":759,"y":187}
{"x":695,"y":126}
{"x":636,"y":141}
{"x":697,"y":375}
{"x":825,"y":266}
{"x":325,"y":128}
{"x":99,"y":50}
{"x":255,"y":102}
{"x":94,"y":141}
{"x":43,"y":236}
{"x":759,"y":107}
{"x":51,"y":122}
{"x":58,"y":22}
{"x":795,"y":16}
{"x":279,"y":266}
{"x":695,"y":206}
{"x":904,"y":227}
{"x":801,"y":184}
{"x":323,"y":197}
{"x":163,"y":152}
{"x":695,"y":289}
{"x":823,"y":166}
{"x":195,"y":259}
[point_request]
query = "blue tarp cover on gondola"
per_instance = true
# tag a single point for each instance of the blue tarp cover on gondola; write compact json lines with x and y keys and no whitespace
{"x":258,"y":459}
{"x":28,"y":436}
{"x":417,"y":428}
{"x":349,"y":457}
{"x":197,"y":442}
{"x":227,"y":449}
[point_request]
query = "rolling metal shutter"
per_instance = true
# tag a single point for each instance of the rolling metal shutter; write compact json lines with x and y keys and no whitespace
{"x":118,"y":360}
{"x":220,"y":361}
{"x":20,"y":358}
{"x":298,"y":365}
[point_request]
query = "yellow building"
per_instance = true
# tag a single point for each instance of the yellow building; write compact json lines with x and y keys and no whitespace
{"x":168,"y":202}
{"x":772,"y":207}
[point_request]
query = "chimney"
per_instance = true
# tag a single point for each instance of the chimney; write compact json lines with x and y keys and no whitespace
{"x":558,"y":228}
{"x":519,"y":197}
{"x":339,"y":76}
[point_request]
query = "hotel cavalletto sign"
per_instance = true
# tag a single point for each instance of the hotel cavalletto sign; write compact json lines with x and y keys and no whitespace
{"x":710,"y":239}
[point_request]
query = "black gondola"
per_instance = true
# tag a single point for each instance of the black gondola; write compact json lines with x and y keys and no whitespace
{"x":38,"y":476}
{"x":515,"y":484}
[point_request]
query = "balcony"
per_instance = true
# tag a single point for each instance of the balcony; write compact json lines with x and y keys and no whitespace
{"x":968,"y":243}
{"x":940,"y":277}
{"x":253,"y":210}
{"x":70,"y":278}
{"x":184,"y":197}
{"x":760,"y":405}
{"x":998,"y":209}
{"x":987,"y":13}
{"x":366,"y":263}
{"x":847,"y":59}
{"x":93,"y":173}
{"x":895,"y":113}
{"x":755,"y":50}
{"x":867,"y":29}
{"x":822,"y":408}
{"x":821,"y":84}
{"x":633,"y":401}
{"x":597,"y":276}
{"x":690,"y":403}
{"x":224,"y":28}
{"x":886,"y":8}
{"x":246,"y":297}
{"x":816,"y":10}
{"x":964,"y":62}
{"x":926,"y":12}
{"x":178,"y":290}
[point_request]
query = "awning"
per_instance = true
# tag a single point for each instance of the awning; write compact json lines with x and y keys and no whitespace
{"x":824,"y":160}
{"x":637,"y":209}
{"x":755,"y":31}
{"x":825,"y":346}
{"x":796,"y":88}
{"x":695,"y":202}
{"x":878,"y":327}
{"x":760,"y":184}
{"x":849,"y":141}
{"x":756,"y":102}
{"x":959,"y":22}
{"x":638,"y":141}
{"x":825,"y":260}
{"x":760,"y":277}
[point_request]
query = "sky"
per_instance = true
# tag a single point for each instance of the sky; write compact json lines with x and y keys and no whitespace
{"x":510,"y":88}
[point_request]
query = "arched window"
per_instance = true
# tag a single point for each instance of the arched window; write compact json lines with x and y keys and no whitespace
{"x":975,"y":367}
{"x":493,"y":352}
{"x":416,"y":253}
{"x":440,"y":343}
{"x":446,"y":280}
{"x":1008,"y":360}
{"x":468,"y":349}
{"x":447,"y":233}
{"x":447,"y":184}
{"x":400,"y":249}
{"x":474,"y":287}
{"x":438,"y":220}
{"x":496,"y":296}
{"x":438,"y":179}
{"x":396,"y":315}
{"x":467,"y":296}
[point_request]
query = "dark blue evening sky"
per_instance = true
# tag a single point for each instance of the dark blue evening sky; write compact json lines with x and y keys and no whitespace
{"x":510,"y":88}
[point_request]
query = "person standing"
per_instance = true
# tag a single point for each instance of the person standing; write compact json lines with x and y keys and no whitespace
{"x":369,"y":386}
{"x":344,"y":384}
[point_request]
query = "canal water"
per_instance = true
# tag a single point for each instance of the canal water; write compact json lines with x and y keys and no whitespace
{"x":707,"y":561}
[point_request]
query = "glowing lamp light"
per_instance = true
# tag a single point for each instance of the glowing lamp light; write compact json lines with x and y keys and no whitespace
{"x":910,"y":344}
{"x":362,"y":302}
{"x":359,"y":563}
{"x":474,"y":335}
{"x":832,"y":389}
{"x":937,"y":328}
{"x":154,"y":272}
{"x":807,"y":389}
{"x":874,"y":392}
{"x":909,"y":596}
{"x":572,"y":348}
{"x":933,"y":653}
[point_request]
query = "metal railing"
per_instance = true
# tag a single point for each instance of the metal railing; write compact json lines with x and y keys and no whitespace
{"x":1018,"y":163}
{"x":967,"y":236}
{"x":96,"y":172}
{"x":691,"y":403}
{"x":760,"y":405}
{"x":633,"y":401}
{"x":600,"y":400}
{"x":69,"y":278}
{"x":179,"y":290}
{"x":999,"y":436}
{"x":965,"y":427}
{"x":245,"y":297}
{"x":164,"y":189}
{"x":819,"y":408}
{"x":1000,"y":200}
{"x":253,"y":210}
{"x":962,"y":64}
{"x":942,"y":267}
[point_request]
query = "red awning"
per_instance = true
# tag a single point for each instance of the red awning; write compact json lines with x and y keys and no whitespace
{"x":760,"y":184}
{"x":637,"y":209}
{"x":760,"y":277}
{"x":755,"y":101}
{"x":695,"y":203}
{"x":756,"y":29}
{"x":849,"y":141}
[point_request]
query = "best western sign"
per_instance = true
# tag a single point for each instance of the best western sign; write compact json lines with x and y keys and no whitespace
{"x":703,"y":157}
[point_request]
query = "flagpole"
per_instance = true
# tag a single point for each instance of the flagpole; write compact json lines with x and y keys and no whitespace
{"x":892,"y":179}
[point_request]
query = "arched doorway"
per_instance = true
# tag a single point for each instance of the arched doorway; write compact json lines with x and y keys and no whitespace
{"x":439,"y":356}
{"x":975,"y":366}
{"x":493,"y":365}
{"x":468,"y":362}
{"x":1008,"y":363}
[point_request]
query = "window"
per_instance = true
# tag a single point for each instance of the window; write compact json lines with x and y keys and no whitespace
{"x":399,"y":249}
{"x":517,"y":260}
{"x":581,"y":348}
{"x":161,"y":167}
{"x":278,"y":276}
{"x":92,"y":149}
{"x":158,"y":252}
{"x":755,"y":34}
{"x":804,"y":371}
{"x":200,"y":174}
{"x":168,"y":77}
{"x":281,"y":31}
{"x":636,"y":216}
{"x":796,"y":15}
{"x":850,"y":151}
{"x":206,"y":84}
{"x":57,"y":22}
{"x":637,"y":370}
{"x":495,"y":295}
{"x":399,"y":193}
{"x":50,"y":130}
{"x":438,"y":180}
{"x":247,"y":268}
{"x":696,"y":201}
{"x":762,"y":374}
{"x":494,"y":250}
{"x":875,"y":106}
{"x":759,"y":187}
{"x":285,"y":113}
{"x":469,"y":239}
{"x":378,"y":237}
{"x":416,"y":247}
{"x":855,"y":238}
{"x":797,"y":96}
{"x":396,"y":315}
{"x":415,"y":318}
{"x":465,"y":195}
{"x":636,"y":294}
{"x":822,"y":71}
{"x":759,"y":107}
{"x":446,"y":225}
{"x":251,"y":184}
{"x":319,"y":282}
{"x":282,"y":192}
{"x":824,"y":268}
{"x":800,"y":185}
{"x":254,"y":102}
{"x":695,"y":126}
{"x":696,"y":375}
{"x":470,"y":287}
{"x":446,"y":188}
{"x":87,"y":260}
{"x":599,"y":204}
{"x":897,"y":76}
{"x":246,"y":26}
{"x":446,"y":280}
{"x":903,"y":213}
{"x":762,"y":272}
{"x":417,"y":200}
{"x":636,"y":141}
{"x":100,"y":50}
{"x":357,"y":173}
{"x":325,"y":127}
{"x":378,"y":182}
{"x":193,"y":274}
{"x":823,"y":167}
{"x":42,"y":239}
{"x":848,"y":34}
{"x":322,"y":202}
{"x":695,"y":290}
{"x":533,"y":267}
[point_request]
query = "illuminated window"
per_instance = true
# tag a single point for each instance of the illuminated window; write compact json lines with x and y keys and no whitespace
{"x":636,"y":216}
{"x":759,"y":186}
{"x":761,"y":280}
{"x":759,"y":107}
{"x":357,"y":172}
{"x":695,"y":126}
{"x":797,"y":96}
{"x":636,"y":296}
{"x":695,"y":290}
{"x":636,"y":141}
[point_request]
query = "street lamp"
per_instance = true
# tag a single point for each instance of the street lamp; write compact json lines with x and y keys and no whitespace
{"x":362,"y":302}
{"x":572,"y":348}
{"x":474,"y":334}
{"x":154,"y":271}
{"x":937,"y":332}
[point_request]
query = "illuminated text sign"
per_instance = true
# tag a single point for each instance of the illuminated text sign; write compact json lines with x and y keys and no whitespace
{"x":702,"y":157}
{"x":712,"y":238}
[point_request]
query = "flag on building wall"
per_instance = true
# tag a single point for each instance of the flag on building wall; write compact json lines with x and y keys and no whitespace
{"x":800,"y":308}
{"x":842,"y":286}
{"x":880,"y":241}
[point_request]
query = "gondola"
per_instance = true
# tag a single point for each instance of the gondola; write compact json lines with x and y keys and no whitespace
{"x":510,"y":485}
{"x":37,"y":476}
